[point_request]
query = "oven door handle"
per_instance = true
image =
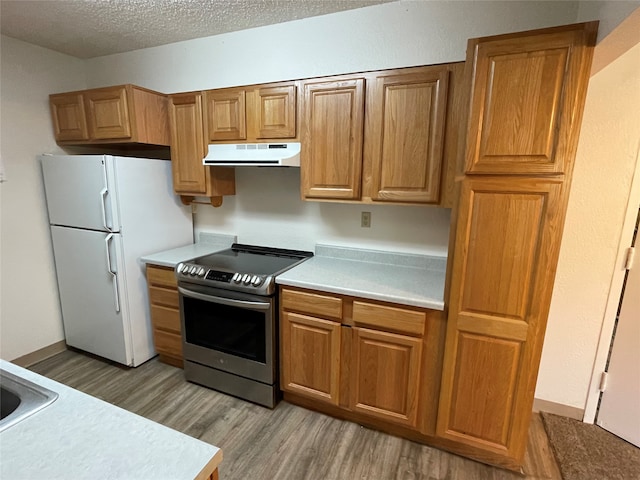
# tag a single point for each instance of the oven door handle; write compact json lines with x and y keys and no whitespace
{"x":225,"y":301}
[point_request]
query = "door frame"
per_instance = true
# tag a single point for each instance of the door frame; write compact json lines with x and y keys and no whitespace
{"x":613,"y":300}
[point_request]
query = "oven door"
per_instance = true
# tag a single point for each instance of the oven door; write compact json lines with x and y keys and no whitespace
{"x":229,"y":331}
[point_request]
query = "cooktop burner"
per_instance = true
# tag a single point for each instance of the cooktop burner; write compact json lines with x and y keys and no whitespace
{"x":247,"y":268}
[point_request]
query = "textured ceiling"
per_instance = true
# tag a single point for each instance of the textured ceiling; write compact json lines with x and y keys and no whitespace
{"x":91,"y":28}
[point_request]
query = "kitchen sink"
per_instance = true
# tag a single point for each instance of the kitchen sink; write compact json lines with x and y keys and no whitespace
{"x":20,"y":398}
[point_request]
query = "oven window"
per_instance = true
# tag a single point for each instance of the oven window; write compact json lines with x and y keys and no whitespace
{"x":232,"y":330}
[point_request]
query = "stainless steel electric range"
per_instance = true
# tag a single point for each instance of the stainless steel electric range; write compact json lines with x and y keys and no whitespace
{"x":229,"y":314}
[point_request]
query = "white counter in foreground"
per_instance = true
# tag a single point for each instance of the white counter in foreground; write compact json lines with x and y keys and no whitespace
{"x":81,"y":437}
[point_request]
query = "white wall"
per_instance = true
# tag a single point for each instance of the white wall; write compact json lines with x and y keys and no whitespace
{"x":605,"y":164}
{"x":267,"y":210}
{"x":30,"y":316}
{"x":609,"y":13}
{"x":398,"y":34}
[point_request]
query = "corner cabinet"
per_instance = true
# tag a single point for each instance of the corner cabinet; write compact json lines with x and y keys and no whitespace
{"x":527,"y":96}
{"x":382,"y":137}
{"x":191,"y":177}
{"x":165,"y":314}
{"x":120,"y":114}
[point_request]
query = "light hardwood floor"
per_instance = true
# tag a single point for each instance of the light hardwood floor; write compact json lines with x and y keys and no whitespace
{"x":288,"y":442}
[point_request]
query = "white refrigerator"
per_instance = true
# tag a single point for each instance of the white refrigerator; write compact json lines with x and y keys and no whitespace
{"x":105,"y":212}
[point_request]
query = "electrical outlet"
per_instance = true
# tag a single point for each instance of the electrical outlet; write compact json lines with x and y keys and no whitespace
{"x":365,"y":220}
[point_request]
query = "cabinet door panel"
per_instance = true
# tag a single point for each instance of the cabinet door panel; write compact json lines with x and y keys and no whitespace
{"x":167,"y":297}
{"x":526,"y":102}
{"x":187,"y":144}
{"x":386,"y":372}
{"x":276,"y":111}
{"x":310,"y":356}
{"x":108,"y":110}
{"x":166,"y":319}
{"x":226,"y":114}
{"x":69,"y":118}
{"x":161,"y":276}
{"x":332,"y":136}
{"x":407,"y":121}
{"x":507,"y":243}
{"x":167,"y":343}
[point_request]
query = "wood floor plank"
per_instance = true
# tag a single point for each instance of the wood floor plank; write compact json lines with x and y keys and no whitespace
{"x":288,"y":442}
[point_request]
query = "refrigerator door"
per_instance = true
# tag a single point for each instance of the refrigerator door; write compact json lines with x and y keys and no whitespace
{"x":80,"y":191}
{"x":91,"y":283}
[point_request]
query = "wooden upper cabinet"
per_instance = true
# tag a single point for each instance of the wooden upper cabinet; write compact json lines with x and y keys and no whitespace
{"x":225,"y":112}
{"x":276,"y":112}
{"x":253,"y":114}
{"x":109,"y":115}
{"x":332,"y":137}
{"x":406,"y":149}
{"x":527,"y":97}
{"x":406,"y":113}
{"x":187,"y":144}
{"x":190,"y":177}
{"x":69,"y":118}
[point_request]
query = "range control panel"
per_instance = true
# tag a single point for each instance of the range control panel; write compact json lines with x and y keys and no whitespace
{"x":187,"y":271}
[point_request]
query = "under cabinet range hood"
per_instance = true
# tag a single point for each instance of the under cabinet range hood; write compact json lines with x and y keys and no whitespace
{"x":254,"y":155}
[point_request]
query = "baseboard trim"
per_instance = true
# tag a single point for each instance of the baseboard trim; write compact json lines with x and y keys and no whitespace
{"x":540,"y":405}
{"x":32,"y":358}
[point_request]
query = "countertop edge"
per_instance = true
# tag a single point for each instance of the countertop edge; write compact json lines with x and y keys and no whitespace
{"x":202,"y":460}
{"x":171,"y":258}
{"x":210,"y":467}
{"x":421,"y":303}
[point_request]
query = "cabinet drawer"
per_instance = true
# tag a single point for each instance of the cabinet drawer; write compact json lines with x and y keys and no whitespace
{"x":166,"y":319}
{"x":313,"y":303}
{"x":162,"y":276}
{"x":168,"y":343}
{"x":167,"y":297}
{"x":389,"y":318}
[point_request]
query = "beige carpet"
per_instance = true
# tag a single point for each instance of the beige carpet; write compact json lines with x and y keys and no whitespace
{"x":586,"y":452}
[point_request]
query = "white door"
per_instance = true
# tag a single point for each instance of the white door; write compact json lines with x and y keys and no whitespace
{"x":91,"y":292}
{"x":80,"y":191}
{"x":620,"y":406}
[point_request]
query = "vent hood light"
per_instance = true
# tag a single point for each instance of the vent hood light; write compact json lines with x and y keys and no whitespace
{"x":254,"y":155}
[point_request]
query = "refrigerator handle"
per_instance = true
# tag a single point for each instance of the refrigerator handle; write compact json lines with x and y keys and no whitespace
{"x":113,"y":274}
{"x":103,"y":198}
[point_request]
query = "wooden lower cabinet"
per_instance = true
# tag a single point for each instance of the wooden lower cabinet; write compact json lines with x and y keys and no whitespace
{"x":385,"y":372}
{"x":312,"y":360}
{"x":165,"y":313}
{"x":374,"y":371}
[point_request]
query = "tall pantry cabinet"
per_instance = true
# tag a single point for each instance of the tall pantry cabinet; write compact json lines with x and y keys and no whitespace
{"x":526,"y":98}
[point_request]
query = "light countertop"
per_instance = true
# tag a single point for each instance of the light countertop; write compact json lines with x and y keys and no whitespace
{"x":208,"y":243}
{"x":406,"y":279}
{"x":81,"y":437}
